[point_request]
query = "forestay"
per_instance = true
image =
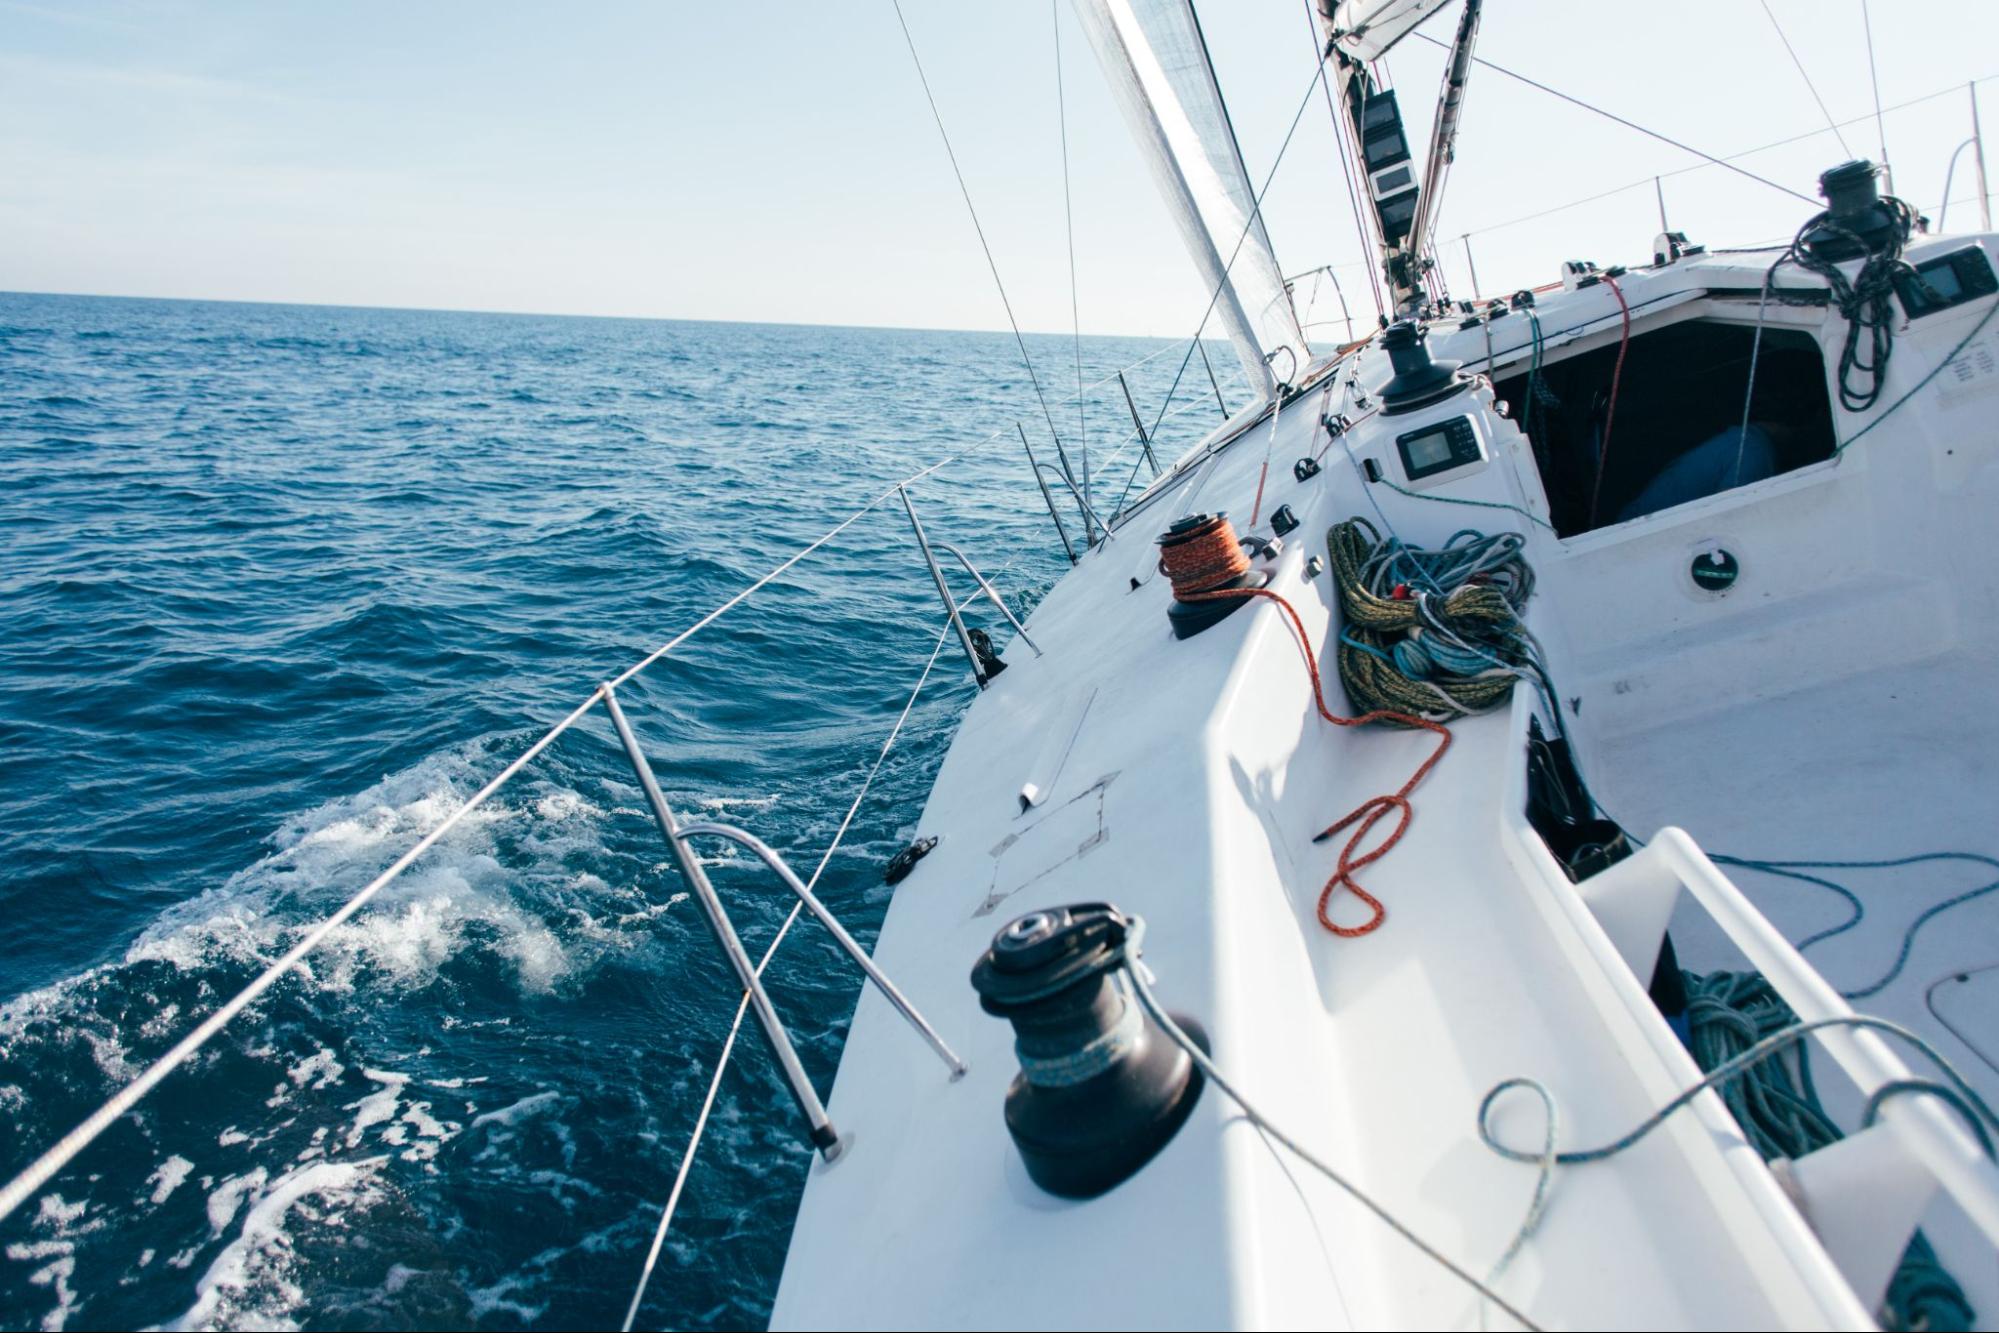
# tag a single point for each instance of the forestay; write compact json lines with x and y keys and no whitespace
{"x":1156,"y":63}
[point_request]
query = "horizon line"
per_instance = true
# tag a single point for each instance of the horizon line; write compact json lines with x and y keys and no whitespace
{"x":552,"y":314}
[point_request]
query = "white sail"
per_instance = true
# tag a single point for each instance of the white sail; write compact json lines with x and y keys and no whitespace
{"x":1157,"y":65}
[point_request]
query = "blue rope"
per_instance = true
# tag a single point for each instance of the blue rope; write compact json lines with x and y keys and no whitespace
{"x":1952,"y":1088}
{"x":1797,"y":870}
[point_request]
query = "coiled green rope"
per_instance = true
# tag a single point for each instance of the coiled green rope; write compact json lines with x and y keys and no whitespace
{"x":1435,"y":633}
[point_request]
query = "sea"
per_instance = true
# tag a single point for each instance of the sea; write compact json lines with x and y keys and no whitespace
{"x":280,"y":587}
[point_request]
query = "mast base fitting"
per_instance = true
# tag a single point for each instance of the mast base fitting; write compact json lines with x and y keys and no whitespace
{"x":1101,"y":1087}
{"x":1418,"y":381}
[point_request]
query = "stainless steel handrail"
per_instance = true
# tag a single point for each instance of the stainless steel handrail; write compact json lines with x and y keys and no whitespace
{"x":944,"y":591}
{"x":993,"y":596}
{"x":824,"y":1136}
{"x":853,"y":950}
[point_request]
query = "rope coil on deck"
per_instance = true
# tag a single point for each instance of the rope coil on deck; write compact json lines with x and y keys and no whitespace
{"x":1435,"y":633}
{"x":1196,"y":567}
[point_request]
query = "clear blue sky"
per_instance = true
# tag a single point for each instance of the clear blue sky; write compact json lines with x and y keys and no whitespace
{"x":775,"y":161}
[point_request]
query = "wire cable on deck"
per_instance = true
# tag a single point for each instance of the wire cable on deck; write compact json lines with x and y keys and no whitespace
{"x":977,"y":226}
{"x":742,"y":1005}
{"x":1801,"y":872}
{"x":1710,"y":158}
{"x":1952,"y":1089}
{"x":1141,"y":985}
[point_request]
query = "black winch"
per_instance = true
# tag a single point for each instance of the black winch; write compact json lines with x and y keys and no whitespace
{"x":1418,"y":381}
{"x":1856,"y":222}
{"x":1101,"y":1086}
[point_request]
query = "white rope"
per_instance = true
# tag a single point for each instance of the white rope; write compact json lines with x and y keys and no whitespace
{"x":742,"y":1005}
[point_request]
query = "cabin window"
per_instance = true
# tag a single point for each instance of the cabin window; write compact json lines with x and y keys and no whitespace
{"x":1677,"y":435}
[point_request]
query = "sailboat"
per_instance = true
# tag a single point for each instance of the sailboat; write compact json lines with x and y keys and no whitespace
{"x":1665,"y":593}
{"x":1493,"y":835}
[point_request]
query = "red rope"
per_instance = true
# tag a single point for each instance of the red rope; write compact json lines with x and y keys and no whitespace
{"x":1257,"y":508}
{"x":1616,"y":379}
{"x":1191,"y":567}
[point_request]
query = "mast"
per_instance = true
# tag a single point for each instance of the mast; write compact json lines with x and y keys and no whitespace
{"x":1360,"y":31}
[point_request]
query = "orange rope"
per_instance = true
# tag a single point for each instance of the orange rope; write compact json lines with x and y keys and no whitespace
{"x":1207,"y":558}
{"x":1191,"y":573}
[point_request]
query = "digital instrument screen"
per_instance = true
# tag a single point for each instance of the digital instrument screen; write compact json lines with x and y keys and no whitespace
{"x":1427,"y":451}
{"x":1942,"y":279}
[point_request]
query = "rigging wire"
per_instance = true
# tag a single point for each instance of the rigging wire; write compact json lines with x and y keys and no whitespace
{"x":1880,"y":125}
{"x":1628,"y":124}
{"x":1771,"y":14}
{"x":977,"y":226}
{"x":742,"y":1005}
{"x":1702,"y":166}
{"x":1069,"y":224}
{"x":1141,"y":986}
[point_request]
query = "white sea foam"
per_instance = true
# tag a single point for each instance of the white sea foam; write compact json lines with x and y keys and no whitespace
{"x":251,"y":1283}
{"x":59,"y":1224}
{"x":168,"y":1177}
{"x":513,"y":1114}
{"x":461,"y":893}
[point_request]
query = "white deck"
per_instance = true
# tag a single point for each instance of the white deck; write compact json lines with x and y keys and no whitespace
{"x":1827,"y":707}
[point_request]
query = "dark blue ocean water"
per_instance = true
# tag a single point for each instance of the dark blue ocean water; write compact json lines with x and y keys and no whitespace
{"x":279,"y":586}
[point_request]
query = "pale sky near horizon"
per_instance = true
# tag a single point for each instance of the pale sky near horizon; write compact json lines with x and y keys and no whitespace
{"x":776,"y":162}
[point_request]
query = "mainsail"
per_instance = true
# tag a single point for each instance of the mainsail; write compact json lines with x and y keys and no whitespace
{"x":1156,"y":63}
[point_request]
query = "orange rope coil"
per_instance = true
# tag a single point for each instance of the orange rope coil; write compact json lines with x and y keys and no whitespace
{"x":1203,"y":558}
{"x":1197,"y":565}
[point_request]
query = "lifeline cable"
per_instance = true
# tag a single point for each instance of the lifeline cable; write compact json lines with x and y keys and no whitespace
{"x":1196,"y":568}
{"x":39,"y":1172}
